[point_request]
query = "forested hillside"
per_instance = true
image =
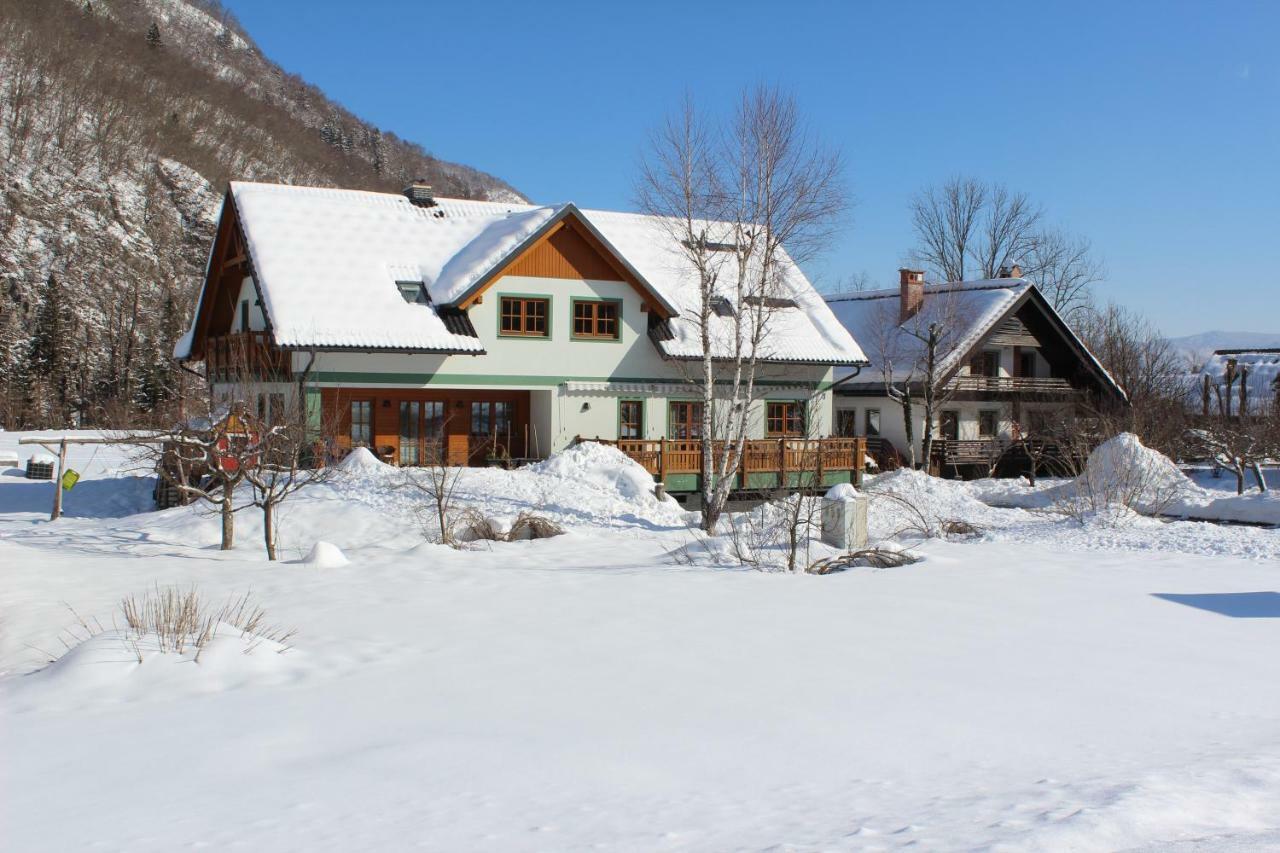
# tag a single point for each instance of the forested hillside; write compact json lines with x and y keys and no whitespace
{"x":120,"y":123}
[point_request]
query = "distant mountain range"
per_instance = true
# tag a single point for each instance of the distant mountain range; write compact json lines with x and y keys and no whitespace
{"x":1200,"y":346}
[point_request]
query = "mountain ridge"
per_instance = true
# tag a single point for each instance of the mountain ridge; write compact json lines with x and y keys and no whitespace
{"x":121,"y":123}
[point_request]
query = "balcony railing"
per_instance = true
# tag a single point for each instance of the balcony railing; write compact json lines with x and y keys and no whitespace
{"x":677,"y":463}
{"x":1006,"y":384}
{"x":245,"y":355}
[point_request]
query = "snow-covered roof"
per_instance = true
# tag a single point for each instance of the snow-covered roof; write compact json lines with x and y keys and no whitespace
{"x":326,"y":261}
{"x":1263,"y":366}
{"x":970,"y":309}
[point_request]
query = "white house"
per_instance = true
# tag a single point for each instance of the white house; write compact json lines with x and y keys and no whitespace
{"x":1007,"y":364}
{"x":410,"y":323}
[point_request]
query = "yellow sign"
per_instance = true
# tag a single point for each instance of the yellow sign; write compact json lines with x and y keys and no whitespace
{"x":69,"y":479}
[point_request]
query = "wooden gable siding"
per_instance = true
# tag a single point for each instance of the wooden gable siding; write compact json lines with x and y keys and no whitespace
{"x":581,"y":251}
{"x":228,"y":265}
{"x":1012,"y":333}
{"x":565,"y":254}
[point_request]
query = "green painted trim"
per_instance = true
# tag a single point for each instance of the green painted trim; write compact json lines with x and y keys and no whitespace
{"x":415,"y":379}
{"x":314,"y":411}
{"x":574,"y":300}
{"x":682,"y":482}
{"x":621,"y":400}
{"x":550,"y":314}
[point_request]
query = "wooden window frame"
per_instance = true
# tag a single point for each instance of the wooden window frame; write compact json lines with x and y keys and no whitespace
{"x":692,"y":424}
{"x":595,"y":320}
{"x":639,"y":424}
{"x":942,"y":417}
{"x":866,"y":423}
{"x":351,"y":421}
{"x":994,"y":414}
{"x":524,"y":300}
{"x":787,"y":422}
{"x":1023,"y":358}
{"x":846,"y":416}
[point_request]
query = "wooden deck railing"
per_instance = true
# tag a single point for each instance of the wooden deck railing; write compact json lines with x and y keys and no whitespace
{"x":1051,"y":455}
{"x":245,"y":354}
{"x":1004,"y":384}
{"x":783,"y":457}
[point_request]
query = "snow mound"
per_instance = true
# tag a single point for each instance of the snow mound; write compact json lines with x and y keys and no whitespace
{"x":42,"y":459}
{"x":117,"y":667}
{"x":910,"y":501}
{"x":1122,"y":470}
{"x":361,"y":461}
{"x":842,"y":492}
{"x":602,"y":466}
{"x":325,"y":555}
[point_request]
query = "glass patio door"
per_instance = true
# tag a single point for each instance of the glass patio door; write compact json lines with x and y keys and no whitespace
{"x":433,"y":431}
{"x":410,"y":432}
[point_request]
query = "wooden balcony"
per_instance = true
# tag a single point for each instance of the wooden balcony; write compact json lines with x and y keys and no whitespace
{"x":1006,"y":456}
{"x":1050,"y":385}
{"x":769,"y":463}
{"x":245,"y":355}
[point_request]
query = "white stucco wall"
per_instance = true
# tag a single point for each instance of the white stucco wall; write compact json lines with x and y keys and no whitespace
{"x":555,"y":368}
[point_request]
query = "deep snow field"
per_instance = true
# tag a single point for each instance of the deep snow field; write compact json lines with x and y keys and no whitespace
{"x":1048,"y":684}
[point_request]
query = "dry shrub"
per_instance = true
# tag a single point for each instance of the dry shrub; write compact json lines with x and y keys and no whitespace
{"x":875,"y":558}
{"x":960,"y":527}
{"x":474,"y":526}
{"x":530,"y":526}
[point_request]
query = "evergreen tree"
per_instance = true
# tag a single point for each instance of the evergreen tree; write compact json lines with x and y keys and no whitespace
{"x":53,"y":345}
{"x":153,"y":35}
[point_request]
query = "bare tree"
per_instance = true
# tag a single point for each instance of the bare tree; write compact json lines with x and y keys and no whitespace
{"x":1152,"y":373}
{"x":1240,"y":439}
{"x":898,"y":370}
{"x":283,"y":463}
{"x":1065,"y":269}
{"x":946,"y":222}
{"x":744,"y":203}
{"x":965,"y":227}
{"x":203,"y":459}
{"x":1010,"y":226}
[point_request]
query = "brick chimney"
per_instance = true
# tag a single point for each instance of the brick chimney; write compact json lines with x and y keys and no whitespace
{"x":911,"y":289}
{"x":419,"y":193}
{"x":1014,"y":271}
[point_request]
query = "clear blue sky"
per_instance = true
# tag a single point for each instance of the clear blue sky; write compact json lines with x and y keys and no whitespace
{"x":1153,"y":128}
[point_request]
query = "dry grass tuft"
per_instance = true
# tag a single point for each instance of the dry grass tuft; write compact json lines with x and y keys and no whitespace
{"x":183,"y":620}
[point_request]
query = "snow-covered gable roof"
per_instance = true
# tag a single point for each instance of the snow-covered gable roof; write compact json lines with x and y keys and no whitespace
{"x":971,"y":309}
{"x":805,"y":332}
{"x":326,"y":262}
{"x":1263,"y":366}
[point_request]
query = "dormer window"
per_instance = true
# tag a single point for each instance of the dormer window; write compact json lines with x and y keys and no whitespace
{"x":414,"y":292}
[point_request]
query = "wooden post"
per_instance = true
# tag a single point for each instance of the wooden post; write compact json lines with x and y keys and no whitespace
{"x":782,"y":463}
{"x":57,"y":483}
{"x":662,"y":460}
{"x":820,"y":452}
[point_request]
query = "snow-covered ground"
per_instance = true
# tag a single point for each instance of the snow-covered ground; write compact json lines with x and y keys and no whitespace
{"x":1045,"y":684}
